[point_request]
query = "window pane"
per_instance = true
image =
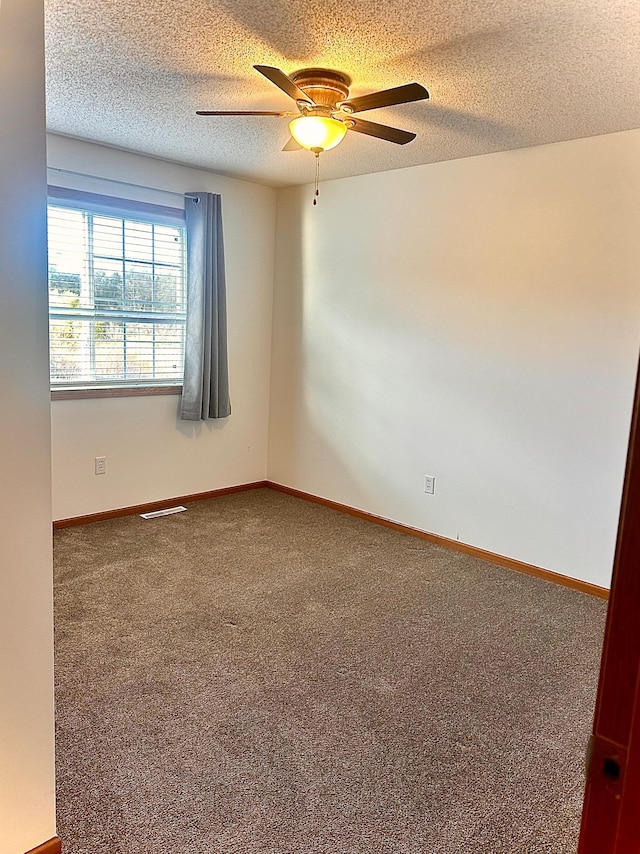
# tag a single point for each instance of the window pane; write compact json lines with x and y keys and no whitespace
{"x":167,"y":245}
{"x":65,"y":345}
{"x":107,"y":236}
{"x":169,"y":289}
{"x":109,"y":351}
{"x":108,"y":283}
{"x":71,"y":350}
{"x":139,"y":286}
{"x":139,"y":350}
{"x":67,"y":254}
{"x":138,"y":240}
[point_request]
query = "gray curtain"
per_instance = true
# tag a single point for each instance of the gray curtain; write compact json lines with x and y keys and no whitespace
{"x":205,"y":391}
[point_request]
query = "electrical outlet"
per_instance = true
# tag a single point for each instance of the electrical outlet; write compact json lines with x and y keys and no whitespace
{"x":430,"y":484}
{"x":101,"y":465}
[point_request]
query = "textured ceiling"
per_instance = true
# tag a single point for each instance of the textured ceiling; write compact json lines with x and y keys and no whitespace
{"x":502,"y":74}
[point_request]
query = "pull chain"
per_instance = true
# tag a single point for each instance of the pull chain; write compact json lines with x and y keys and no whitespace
{"x":317,"y":191}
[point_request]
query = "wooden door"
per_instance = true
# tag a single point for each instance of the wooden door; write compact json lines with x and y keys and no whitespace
{"x":611,"y":812}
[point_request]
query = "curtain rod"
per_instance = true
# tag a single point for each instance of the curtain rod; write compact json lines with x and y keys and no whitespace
{"x":121,"y":183}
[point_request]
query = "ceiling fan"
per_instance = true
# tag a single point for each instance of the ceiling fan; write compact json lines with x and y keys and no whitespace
{"x":325,"y":112}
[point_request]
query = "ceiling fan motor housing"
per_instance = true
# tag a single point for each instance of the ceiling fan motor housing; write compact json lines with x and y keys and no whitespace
{"x":323,"y":86}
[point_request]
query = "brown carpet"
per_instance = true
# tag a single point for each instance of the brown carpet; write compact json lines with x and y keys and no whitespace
{"x":261,"y":674}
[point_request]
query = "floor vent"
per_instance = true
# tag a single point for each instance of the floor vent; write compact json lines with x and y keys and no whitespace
{"x":168,"y":512}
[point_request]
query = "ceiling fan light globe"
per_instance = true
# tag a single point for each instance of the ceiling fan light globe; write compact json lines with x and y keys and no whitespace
{"x":317,"y":132}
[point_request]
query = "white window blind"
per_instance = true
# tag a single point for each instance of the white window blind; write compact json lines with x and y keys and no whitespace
{"x":117,"y":297}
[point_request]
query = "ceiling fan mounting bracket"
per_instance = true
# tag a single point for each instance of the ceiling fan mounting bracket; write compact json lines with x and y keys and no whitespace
{"x":317,"y":110}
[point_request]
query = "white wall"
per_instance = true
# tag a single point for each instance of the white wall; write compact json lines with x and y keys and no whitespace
{"x":476,"y":320}
{"x":27,"y":798}
{"x":151,"y":454}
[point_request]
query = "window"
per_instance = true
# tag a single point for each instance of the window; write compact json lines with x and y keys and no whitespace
{"x":117,"y":298}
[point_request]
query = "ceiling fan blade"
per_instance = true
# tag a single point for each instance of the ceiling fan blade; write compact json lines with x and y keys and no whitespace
{"x":292,"y":145}
{"x":280,"y":79}
{"x":388,"y":98}
{"x":242,"y":113}
{"x":401,"y":137}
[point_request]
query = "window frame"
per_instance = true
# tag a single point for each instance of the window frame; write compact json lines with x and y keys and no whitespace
{"x":99,"y":204}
